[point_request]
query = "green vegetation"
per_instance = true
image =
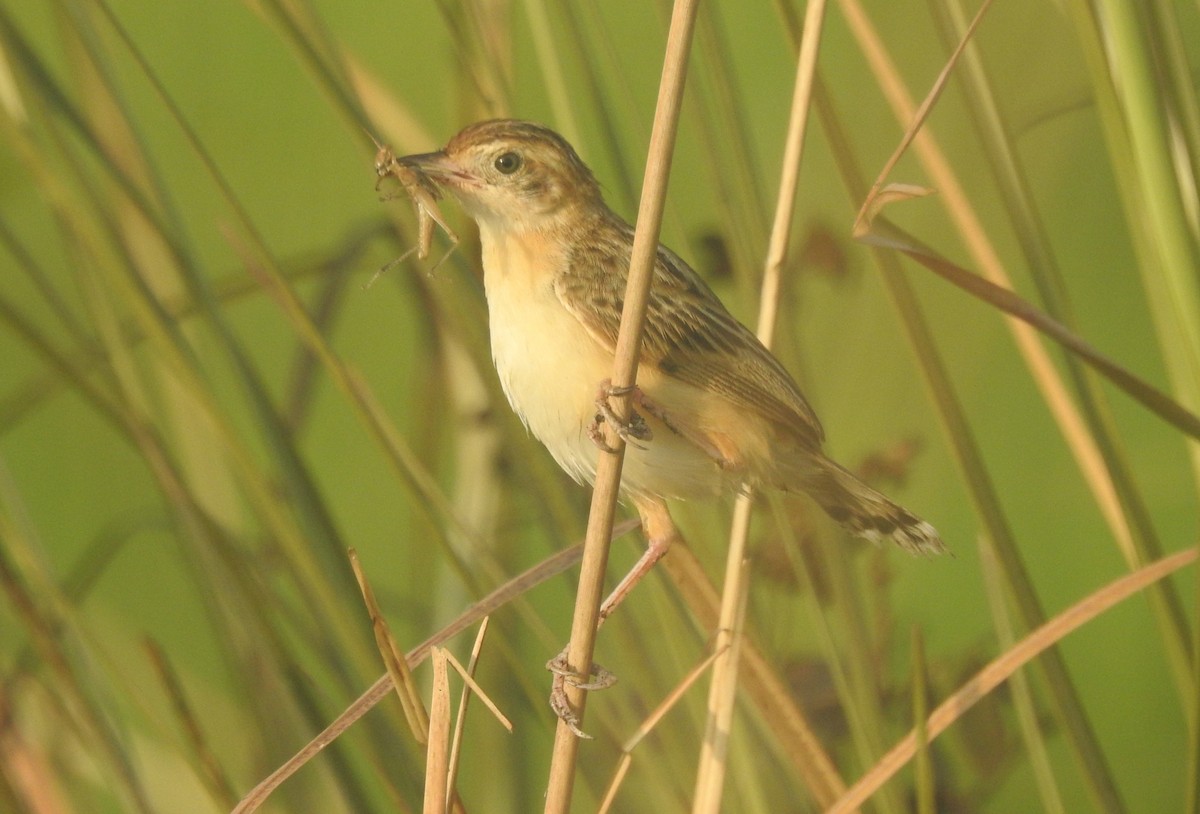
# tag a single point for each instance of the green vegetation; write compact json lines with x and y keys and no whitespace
{"x":203,"y":407}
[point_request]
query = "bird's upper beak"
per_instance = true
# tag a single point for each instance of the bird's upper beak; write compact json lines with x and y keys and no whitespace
{"x":441,"y":169}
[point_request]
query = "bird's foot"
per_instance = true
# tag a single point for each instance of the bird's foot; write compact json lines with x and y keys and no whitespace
{"x":564,"y":674}
{"x":631,"y":431}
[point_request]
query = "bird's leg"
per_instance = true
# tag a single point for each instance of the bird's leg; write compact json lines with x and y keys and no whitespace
{"x":660,"y":532}
{"x":632,"y":431}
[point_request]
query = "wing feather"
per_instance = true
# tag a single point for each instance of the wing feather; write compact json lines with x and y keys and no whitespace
{"x":688,"y":335}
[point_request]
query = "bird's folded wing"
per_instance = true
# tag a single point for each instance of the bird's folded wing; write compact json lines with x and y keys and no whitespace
{"x":688,"y":333}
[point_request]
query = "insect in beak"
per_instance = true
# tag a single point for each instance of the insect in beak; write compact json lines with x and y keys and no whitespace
{"x":418,"y":183}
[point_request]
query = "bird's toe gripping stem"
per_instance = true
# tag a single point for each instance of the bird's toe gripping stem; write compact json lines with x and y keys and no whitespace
{"x":631,"y":431}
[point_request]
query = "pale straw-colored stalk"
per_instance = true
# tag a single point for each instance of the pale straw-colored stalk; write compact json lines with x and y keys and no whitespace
{"x":608,"y":471}
{"x":710,"y":775}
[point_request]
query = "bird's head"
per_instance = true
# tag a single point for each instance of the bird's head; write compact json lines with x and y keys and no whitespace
{"x":512,"y":175}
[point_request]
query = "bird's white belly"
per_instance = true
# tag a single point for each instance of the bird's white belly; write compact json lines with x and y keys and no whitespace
{"x":551,"y":368}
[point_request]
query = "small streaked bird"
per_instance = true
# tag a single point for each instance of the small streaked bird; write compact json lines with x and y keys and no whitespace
{"x":714,"y":410}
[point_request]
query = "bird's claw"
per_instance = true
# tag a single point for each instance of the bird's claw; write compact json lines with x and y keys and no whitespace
{"x":598,"y":679}
{"x":631,"y":431}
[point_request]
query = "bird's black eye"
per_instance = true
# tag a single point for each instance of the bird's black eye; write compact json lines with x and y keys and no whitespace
{"x":508,"y":163}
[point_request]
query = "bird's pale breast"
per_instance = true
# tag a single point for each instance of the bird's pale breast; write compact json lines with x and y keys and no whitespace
{"x":548,"y":365}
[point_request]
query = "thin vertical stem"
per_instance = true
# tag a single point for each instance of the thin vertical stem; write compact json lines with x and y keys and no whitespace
{"x":608,"y":470}
{"x":710,"y":775}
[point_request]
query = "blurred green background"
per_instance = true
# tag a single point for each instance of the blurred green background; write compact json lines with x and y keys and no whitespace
{"x":178,"y":465}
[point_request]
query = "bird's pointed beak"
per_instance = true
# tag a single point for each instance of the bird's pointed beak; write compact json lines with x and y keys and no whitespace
{"x":440,"y":168}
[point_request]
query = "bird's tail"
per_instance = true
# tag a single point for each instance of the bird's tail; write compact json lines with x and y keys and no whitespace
{"x":865,"y":512}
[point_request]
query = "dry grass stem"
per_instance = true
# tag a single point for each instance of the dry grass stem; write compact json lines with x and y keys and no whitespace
{"x":461,"y":720}
{"x":710,"y":774}
{"x":885,"y":234}
{"x":437,"y":756}
{"x":473,"y":687}
{"x":884,"y":195}
{"x":647,"y":726}
{"x":959,"y":208}
{"x":762,"y":683}
{"x":919,"y":115}
{"x":1023,"y":702}
{"x":714,"y":748}
{"x":378,"y":691}
{"x":608,"y":474}
{"x":1007,"y":663}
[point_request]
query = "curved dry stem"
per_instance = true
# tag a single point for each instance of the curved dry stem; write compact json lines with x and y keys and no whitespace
{"x":1007,"y":663}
